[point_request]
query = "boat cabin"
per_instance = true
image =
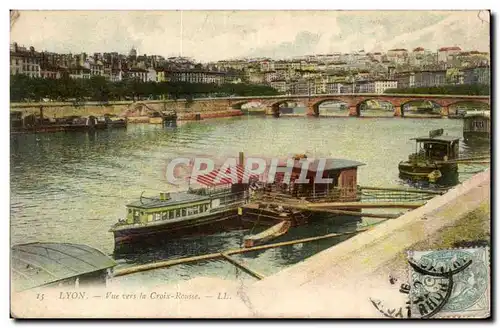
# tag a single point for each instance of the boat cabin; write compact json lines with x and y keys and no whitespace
{"x":169,"y":206}
{"x":477,"y":124}
{"x":440,"y":148}
{"x":342,"y":172}
{"x":37,"y":265}
{"x":16,"y":119}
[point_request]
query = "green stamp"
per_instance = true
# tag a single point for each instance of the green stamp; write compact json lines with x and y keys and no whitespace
{"x":450,"y":283}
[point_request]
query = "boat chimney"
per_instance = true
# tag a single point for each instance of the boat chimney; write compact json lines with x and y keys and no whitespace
{"x":242,"y":159}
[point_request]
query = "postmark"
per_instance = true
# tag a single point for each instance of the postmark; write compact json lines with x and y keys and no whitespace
{"x":452,"y":283}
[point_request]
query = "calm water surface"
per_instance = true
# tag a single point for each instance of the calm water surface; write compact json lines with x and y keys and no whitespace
{"x":71,"y":187}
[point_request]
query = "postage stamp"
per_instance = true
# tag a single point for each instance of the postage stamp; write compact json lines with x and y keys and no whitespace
{"x":453,"y":283}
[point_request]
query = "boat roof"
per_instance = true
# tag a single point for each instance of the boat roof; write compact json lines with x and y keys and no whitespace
{"x":176,"y":198}
{"x":331,"y":164}
{"x":37,"y":264}
{"x":448,"y":139}
{"x":485,"y":114}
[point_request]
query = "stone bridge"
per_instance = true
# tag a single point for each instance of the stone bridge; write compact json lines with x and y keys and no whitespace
{"x":354,"y":101}
{"x":221,"y":105}
{"x":312,"y":102}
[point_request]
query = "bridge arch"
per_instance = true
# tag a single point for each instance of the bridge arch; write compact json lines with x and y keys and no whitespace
{"x":375,"y":107}
{"x":314,"y":106}
{"x":467,"y":105}
{"x":250,"y":106}
{"x":241,"y":104}
{"x":277,"y":109}
{"x":422,"y":106}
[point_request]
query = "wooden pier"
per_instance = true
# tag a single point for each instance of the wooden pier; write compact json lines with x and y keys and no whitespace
{"x":347,"y":205}
{"x":191,"y":259}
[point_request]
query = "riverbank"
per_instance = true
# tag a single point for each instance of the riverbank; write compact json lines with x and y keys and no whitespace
{"x":359,"y":269}
{"x":340,"y":281}
{"x":134,"y":110}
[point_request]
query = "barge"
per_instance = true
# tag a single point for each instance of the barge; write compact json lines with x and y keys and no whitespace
{"x":209,"y":207}
{"x":179,"y":214}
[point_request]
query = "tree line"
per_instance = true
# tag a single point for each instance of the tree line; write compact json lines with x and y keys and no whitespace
{"x":460,"y":89}
{"x":97,"y":88}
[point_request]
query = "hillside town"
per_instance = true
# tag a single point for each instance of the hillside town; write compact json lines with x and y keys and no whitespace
{"x":355,"y":72}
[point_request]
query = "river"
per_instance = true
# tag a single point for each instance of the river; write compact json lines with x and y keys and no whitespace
{"x":71,"y":187}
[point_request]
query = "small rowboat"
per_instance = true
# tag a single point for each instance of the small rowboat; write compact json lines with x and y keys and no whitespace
{"x":267,"y":235}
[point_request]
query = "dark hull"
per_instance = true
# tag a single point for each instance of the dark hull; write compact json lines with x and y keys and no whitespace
{"x":210,"y":224}
{"x":476,"y":136}
{"x":268,"y":217}
{"x":68,"y":127}
{"x":413,"y":172}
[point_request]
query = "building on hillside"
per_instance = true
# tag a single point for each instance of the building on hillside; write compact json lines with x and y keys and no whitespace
{"x":302,"y":87}
{"x":405,"y":79}
{"x":364,"y":87}
{"x":476,"y":75}
{"x":270,"y":76}
{"x":379,"y":86}
{"x":116,"y":75}
{"x":49,"y":72}
{"x":79,"y":72}
{"x":332,"y":87}
{"x":195,"y":76}
{"x":280,"y":85}
{"x":267,"y":65}
{"x":348,"y":87}
{"x":398,"y":56}
{"x":162,"y":75}
{"x":25,"y":62}
{"x":151,"y":75}
{"x":136,"y":73}
{"x":447,"y":53}
{"x":430,"y":78}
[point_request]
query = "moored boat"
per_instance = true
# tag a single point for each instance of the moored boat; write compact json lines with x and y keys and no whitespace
{"x":271,"y":233}
{"x":179,"y":214}
{"x":477,"y":126}
{"x":432,"y":160}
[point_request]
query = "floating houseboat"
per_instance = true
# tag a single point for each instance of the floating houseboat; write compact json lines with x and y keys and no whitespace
{"x":477,"y":126}
{"x":433,"y":159}
{"x":266,"y":208}
{"x":196,"y":211}
{"x":40,"y":265}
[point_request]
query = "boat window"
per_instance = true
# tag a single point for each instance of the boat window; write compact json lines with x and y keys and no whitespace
{"x":202,"y":208}
{"x":157,"y":216}
{"x":479,"y":124}
{"x":177,"y":213}
{"x":192,"y":210}
{"x":164,"y":215}
{"x":184,"y":212}
{"x":171,"y":214}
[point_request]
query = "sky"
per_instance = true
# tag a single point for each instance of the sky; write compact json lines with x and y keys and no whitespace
{"x":217,"y":35}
